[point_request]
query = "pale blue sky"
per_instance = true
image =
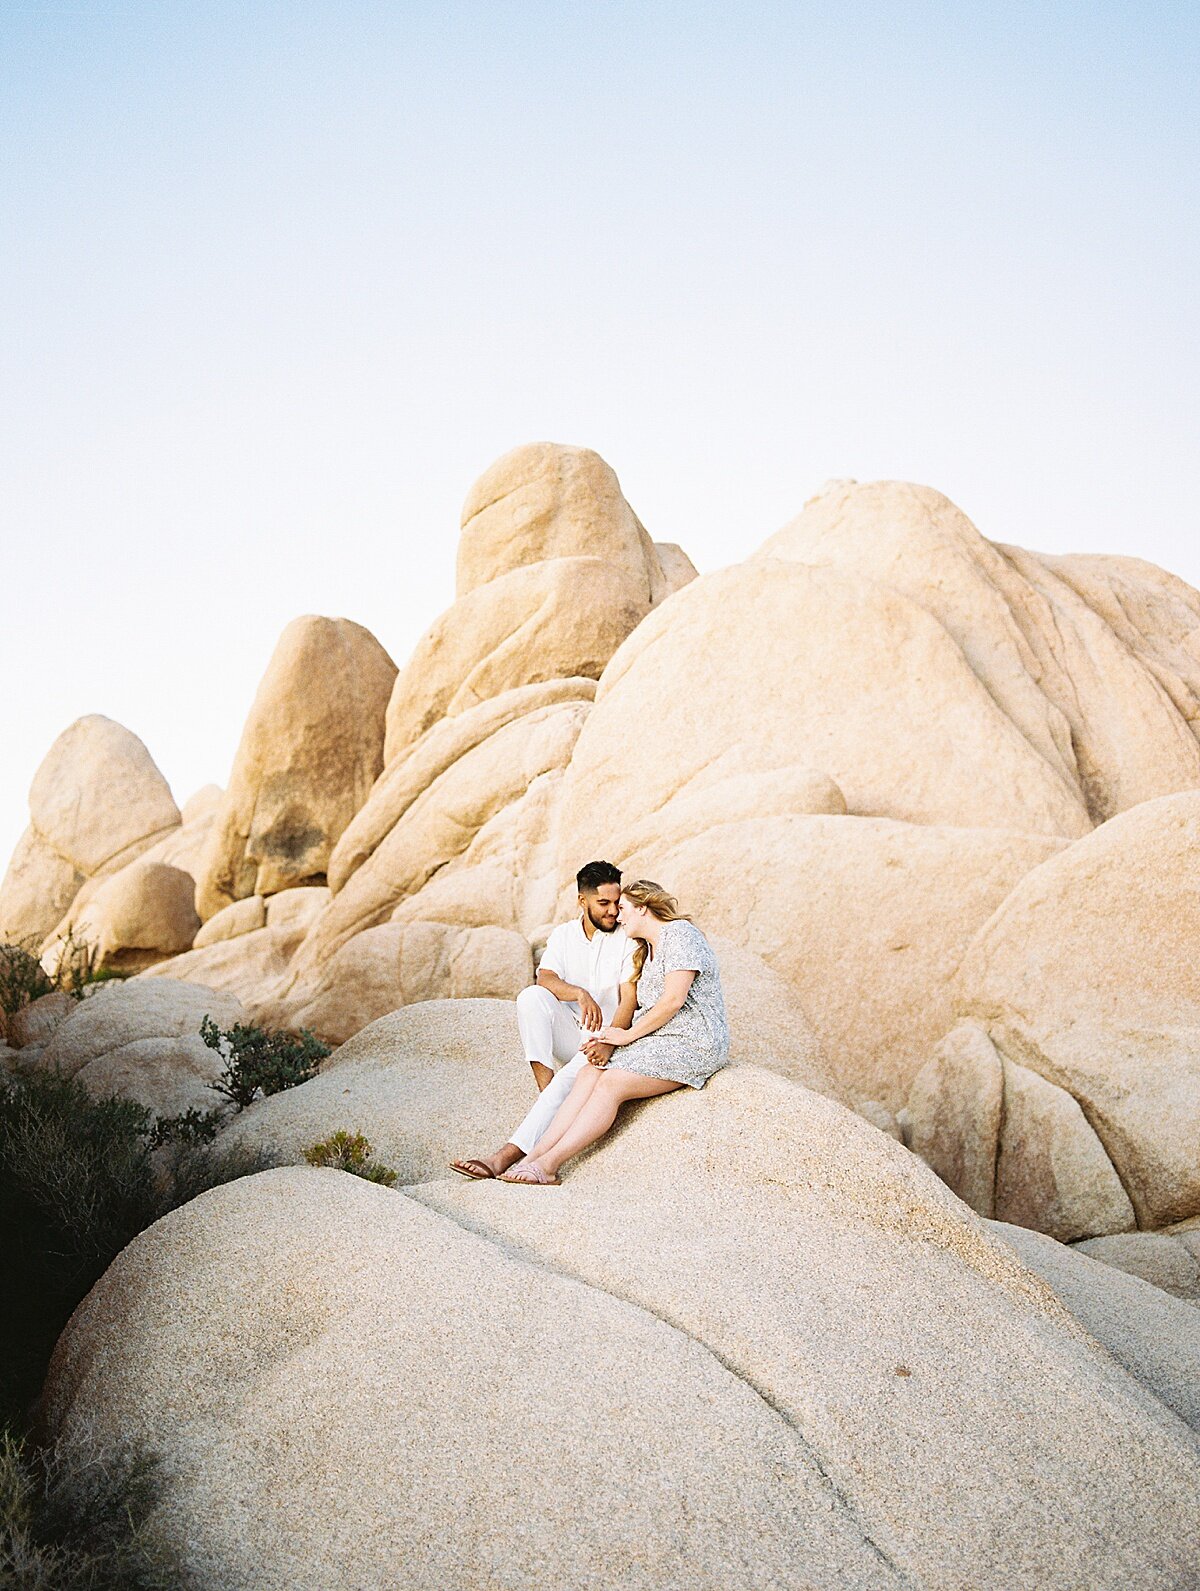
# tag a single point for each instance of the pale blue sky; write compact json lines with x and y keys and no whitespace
{"x":280,"y":280}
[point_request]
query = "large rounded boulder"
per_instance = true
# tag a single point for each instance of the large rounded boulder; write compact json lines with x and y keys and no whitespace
{"x":97,"y":802}
{"x":310,"y":751}
{"x":1078,"y":1008}
{"x":769,"y":1322}
{"x":543,"y":501}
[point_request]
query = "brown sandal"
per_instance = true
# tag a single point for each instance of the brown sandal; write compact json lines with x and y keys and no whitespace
{"x":461,"y":1166}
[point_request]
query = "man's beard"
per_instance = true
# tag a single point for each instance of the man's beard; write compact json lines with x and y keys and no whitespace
{"x":605,"y":928}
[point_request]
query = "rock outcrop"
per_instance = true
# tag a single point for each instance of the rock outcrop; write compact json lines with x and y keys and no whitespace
{"x":141,"y":915}
{"x":1167,"y":1260}
{"x":394,"y":965}
{"x":865,"y":738}
{"x":97,"y":802}
{"x":142,"y":1040}
{"x":937,"y":803}
{"x":426,"y":1083}
{"x":554,"y":571}
{"x":1083,"y":995}
{"x":436,"y":826}
{"x":865,"y":919}
{"x":866,"y":687}
{"x":340,"y":1462}
{"x":310,"y":751}
{"x":544,"y":501}
{"x":1095,"y":662}
{"x":98,"y":797}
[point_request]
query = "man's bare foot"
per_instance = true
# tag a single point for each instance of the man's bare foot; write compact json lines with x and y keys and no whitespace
{"x":481,"y":1167}
{"x":531,"y":1173}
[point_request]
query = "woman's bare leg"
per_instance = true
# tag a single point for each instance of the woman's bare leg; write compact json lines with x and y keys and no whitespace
{"x":581,"y":1092}
{"x":591,"y":1122}
{"x":509,"y":1155}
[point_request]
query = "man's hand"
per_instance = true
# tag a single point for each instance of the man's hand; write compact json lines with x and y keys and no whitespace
{"x":598,"y":1054}
{"x":590,"y":1014}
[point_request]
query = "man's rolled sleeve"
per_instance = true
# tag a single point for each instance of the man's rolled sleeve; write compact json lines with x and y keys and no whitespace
{"x":552,"y":957}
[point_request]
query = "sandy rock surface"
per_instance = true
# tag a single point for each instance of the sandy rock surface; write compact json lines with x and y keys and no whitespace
{"x":445,"y":1077}
{"x":678,"y":569}
{"x":310,"y":751}
{"x":316,"y":1306}
{"x":96,"y":803}
{"x":140,"y":916}
{"x":296,"y":910}
{"x":506,"y":875}
{"x":409,"y":775}
{"x":1011,"y":1144}
{"x":35,"y":1022}
{"x":250,"y":968}
{"x":867,"y":688}
{"x":1156,"y":1337}
{"x":438,"y":827}
{"x":1168,"y":1260}
{"x":1097,"y":667}
{"x":232,"y":921}
{"x":427,"y":1084}
{"x":915,"y":1372}
{"x":950,"y":1371}
{"x":394,"y":965}
{"x":768,"y":1025}
{"x":38,"y":887}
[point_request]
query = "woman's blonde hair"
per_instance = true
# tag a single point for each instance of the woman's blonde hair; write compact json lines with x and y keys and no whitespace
{"x":645,"y":892}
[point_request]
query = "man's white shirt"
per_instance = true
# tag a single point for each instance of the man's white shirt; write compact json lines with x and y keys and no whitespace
{"x":600,"y":964}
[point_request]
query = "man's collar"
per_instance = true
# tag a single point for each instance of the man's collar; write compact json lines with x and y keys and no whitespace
{"x":589,"y":928}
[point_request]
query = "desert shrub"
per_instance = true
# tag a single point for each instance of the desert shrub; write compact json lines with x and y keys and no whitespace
{"x":350,"y":1152}
{"x":192,"y":1127}
{"x":261,"y":1060}
{"x":22,"y":977}
{"x":79,"y":1178}
{"x":73,"y":1517}
{"x":77,"y":966}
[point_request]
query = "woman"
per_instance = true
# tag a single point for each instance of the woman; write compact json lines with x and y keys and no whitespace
{"x":679,"y":1037}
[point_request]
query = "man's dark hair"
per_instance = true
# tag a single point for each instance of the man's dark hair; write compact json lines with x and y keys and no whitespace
{"x":590,"y":877}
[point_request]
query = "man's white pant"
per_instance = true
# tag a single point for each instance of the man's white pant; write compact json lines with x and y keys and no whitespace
{"x":550,"y":1029}
{"x":548,"y":1101}
{"x":551,"y":1034}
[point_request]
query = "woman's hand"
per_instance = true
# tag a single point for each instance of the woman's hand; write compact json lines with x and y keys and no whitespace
{"x":614,"y":1036}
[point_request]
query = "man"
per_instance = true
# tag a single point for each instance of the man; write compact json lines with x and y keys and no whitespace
{"x":585,"y":982}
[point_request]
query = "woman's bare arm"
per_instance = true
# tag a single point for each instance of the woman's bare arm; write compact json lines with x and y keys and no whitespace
{"x":675,"y":992}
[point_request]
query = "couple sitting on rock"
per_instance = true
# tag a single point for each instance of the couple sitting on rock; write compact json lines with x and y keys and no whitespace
{"x":632,"y":978}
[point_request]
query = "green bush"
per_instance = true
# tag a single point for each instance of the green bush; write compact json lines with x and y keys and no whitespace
{"x":73,"y":1517}
{"x":192,"y":1127}
{"x":350,"y":1152}
{"x":22,"y":977}
{"x":261,"y":1061}
{"x":79,"y":1178}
